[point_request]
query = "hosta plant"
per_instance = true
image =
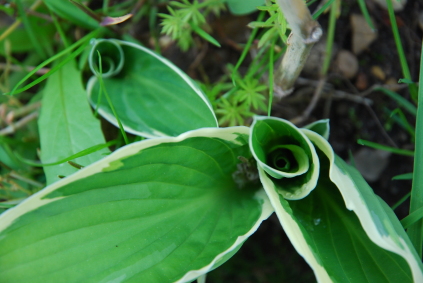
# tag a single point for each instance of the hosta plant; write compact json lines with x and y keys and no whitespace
{"x":175,"y":206}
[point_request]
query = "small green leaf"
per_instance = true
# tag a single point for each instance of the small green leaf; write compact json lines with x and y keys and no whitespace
{"x":241,"y":7}
{"x":205,"y":35}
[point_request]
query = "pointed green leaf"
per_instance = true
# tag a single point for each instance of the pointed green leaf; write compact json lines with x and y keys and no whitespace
{"x":160,"y":210}
{"x":151,"y":96}
{"x":66,"y":123}
{"x":342,"y":229}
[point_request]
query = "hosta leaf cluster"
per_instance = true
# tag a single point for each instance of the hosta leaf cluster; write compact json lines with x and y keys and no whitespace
{"x":179,"y":204}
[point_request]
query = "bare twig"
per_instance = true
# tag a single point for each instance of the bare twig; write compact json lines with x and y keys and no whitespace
{"x":312,"y":104}
{"x":22,"y":122}
{"x":16,"y":68}
{"x":25,"y":179}
{"x":380,"y":126}
{"x":22,"y":111}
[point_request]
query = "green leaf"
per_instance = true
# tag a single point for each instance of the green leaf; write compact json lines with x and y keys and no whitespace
{"x":66,"y":10}
{"x":145,"y":213}
{"x":151,"y":96}
{"x":241,"y":7}
{"x":342,"y":229}
{"x":286,"y":154}
{"x":321,"y":127}
{"x":66,"y":123}
{"x":406,"y":176}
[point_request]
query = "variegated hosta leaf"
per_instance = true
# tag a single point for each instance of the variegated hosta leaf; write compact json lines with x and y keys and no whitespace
{"x":342,"y":229}
{"x":160,"y":210}
{"x":152,"y":97}
{"x":286,"y":154}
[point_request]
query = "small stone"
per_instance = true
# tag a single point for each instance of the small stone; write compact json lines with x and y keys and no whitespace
{"x":378,"y":72}
{"x":362,"y":34}
{"x":361,"y":82}
{"x":371,"y":162}
{"x":397,"y":4}
{"x":313,"y":66}
{"x":393,"y":84}
{"x":346,"y":64}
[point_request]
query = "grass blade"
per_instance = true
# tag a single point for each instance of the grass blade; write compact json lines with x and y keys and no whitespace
{"x":38,"y":48}
{"x":322,"y":9}
{"x":69,"y":158}
{"x":386,"y":148}
{"x":83,"y":40}
{"x":412,"y":218}
{"x":330,"y":38}
{"x":406,"y":176}
{"x":103,"y":89}
{"x":400,"y":50}
{"x":272,"y":51}
{"x":247,"y":47}
{"x":366,"y":15}
{"x":404,"y":103}
{"x":415,"y":231}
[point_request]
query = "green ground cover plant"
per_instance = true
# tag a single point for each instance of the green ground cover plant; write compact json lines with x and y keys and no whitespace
{"x":175,"y":194}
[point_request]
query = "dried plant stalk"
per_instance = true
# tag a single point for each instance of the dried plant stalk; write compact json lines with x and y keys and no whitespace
{"x":305,"y":32}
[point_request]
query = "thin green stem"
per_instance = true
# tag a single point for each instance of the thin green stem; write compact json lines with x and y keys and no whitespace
{"x":404,"y":66}
{"x":272,"y":52}
{"x":106,"y":94}
{"x":365,"y":13}
{"x":247,"y":47}
{"x":59,"y":30}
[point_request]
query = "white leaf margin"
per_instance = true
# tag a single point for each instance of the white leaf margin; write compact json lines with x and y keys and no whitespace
{"x":368,"y":210}
{"x":112,"y":119}
{"x":293,"y":230}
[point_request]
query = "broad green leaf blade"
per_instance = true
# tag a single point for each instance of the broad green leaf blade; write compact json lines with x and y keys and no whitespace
{"x":286,"y":154}
{"x":151,"y":96}
{"x":342,"y":229}
{"x":66,"y":123}
{"x":66,"y":10}
{"x":241,"y":7}
{"x":160,"y":210}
